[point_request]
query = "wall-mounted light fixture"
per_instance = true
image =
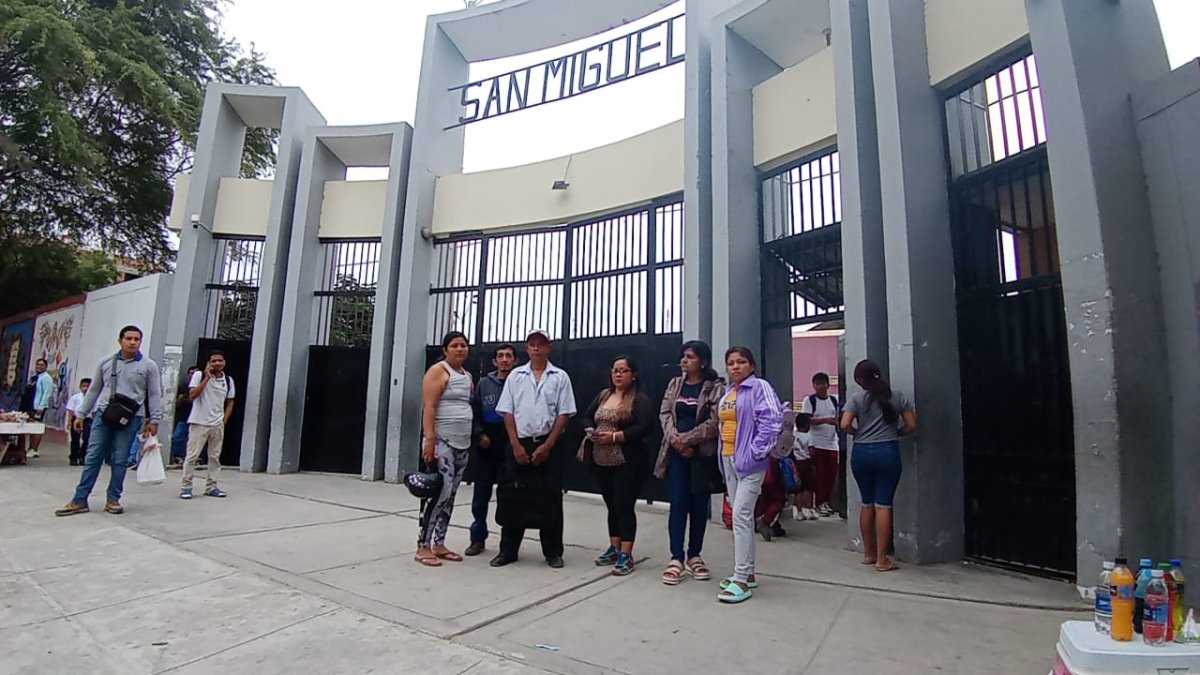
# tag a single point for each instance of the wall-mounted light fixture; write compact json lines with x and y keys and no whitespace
{"x":562,"y":184}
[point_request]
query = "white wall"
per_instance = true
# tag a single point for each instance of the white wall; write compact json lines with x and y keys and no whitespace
{"x":109,"y":309}
{"x":607,"y":178}
{"x":794,"y":111}
{"x":962,"y":33}
{"x":178,"y":218}
{"x":243,"y":207}
{"x":353,"y":209}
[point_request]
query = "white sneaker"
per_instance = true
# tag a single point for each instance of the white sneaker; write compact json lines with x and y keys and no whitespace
{"x":32,"y":454}
{"x":825,"y":510}
{"x":810,"y":514}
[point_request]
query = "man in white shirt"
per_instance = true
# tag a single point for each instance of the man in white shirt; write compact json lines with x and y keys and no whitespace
{"x":79,"y":438}
{"x":211,"y":392}
{"x":536,"y":403}
{"x":822,"y":411}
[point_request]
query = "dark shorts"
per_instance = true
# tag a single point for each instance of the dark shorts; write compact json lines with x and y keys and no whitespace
{"x":805,"y":478}
{"x":876,"y":468}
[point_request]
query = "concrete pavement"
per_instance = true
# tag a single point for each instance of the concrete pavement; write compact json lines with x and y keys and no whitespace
{"x":314,"y":573}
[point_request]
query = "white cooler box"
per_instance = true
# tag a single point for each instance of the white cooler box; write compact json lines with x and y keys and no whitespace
{"x":1083,"y":651}
{"x":21,"y":428}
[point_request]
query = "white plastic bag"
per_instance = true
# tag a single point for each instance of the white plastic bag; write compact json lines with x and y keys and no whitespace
{"x":150,"y":469}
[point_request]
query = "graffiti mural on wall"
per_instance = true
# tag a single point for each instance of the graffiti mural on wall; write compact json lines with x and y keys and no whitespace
{"x":16,"y":344}
{"x":56,"y":339}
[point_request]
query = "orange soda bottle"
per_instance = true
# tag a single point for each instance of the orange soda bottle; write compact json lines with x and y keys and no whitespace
{"x":1122,"y":601}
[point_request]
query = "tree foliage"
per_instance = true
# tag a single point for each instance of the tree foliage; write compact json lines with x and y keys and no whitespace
{"x":99,"y":106}
{"x":35,"y":271}
{"x":353,"y":313}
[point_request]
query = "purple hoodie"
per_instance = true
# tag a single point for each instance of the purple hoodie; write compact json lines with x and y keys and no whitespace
{"x":759,"y":423}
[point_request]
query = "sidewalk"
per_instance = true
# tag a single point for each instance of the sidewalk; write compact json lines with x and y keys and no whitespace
{"x":311,"y":573}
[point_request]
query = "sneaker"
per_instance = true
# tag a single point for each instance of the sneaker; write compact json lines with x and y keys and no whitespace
{"x":777,"y":530}
{"x":114,"y":507}
{"x":607,"y":558}
{"x":825,"y":510}
{"x":811,"y":514}
{"x":32,"y":454}
{"x":763,"y":529}
{"x":185,"y":493}
{"x":475,"y":548}
{"x":623,"y":566}
{"x":72,"y":508}
{"x":214,"y":491}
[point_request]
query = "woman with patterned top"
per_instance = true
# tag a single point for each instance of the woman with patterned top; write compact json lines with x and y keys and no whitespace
{"x":687,"y":458}
{"x":617,"y":424}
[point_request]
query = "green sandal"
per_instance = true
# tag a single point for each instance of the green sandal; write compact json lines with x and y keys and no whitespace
{"x":724,"y":583}
{"x":733,"y":594}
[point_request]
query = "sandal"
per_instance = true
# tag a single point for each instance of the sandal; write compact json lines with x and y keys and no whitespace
{"x":448,"y":555}
{"x":696,"y":567}
{"x":734,"y":593}
{"x":673,"y":574}
{"x":428,"y":560}
{"x":752,"y":582}
{"x":867,"y":561}
{"x":891,"y":567}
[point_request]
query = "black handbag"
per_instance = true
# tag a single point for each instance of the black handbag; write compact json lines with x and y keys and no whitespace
{"x":121,"y":409}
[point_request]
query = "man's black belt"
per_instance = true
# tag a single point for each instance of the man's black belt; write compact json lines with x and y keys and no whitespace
{"x":535,"y":439}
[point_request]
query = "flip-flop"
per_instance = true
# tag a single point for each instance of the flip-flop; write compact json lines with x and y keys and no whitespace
{"x":864,"y":561}
{"x":890,"y":568}
{"x":449,"y":555}
{"x":428,"y":560}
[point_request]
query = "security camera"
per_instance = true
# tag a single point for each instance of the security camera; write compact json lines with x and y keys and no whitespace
{"x":195,"y":221}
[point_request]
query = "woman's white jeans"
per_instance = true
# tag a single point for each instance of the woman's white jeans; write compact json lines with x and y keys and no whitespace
{"x":743,"y":495}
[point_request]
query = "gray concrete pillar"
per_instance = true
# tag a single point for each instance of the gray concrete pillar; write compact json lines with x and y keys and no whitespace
{"x":864,"y":272}
{"x":436,"y":151}
{"x":1168,"y":118}
{"x":317,"y":165}
{"x":387,"y":292}
{"x":921,"y":308}
{"x":1091,"y":56}
{"x":298,"y":115}
{"x":737,"y":66}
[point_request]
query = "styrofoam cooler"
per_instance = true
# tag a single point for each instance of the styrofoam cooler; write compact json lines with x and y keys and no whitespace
{"x":1083,"y":651}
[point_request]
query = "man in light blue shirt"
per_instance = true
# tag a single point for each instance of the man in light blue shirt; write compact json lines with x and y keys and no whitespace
{"x":43,"y":388}
{"x":536,"y":403}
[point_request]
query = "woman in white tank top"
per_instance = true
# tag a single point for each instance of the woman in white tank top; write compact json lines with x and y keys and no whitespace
{"x":446,"y":419}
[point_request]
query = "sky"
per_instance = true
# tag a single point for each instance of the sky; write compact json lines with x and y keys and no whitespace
{"x":360,"y":60}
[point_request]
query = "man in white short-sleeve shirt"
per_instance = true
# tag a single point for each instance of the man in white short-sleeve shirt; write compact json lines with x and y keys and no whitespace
{"x":822,"y":410}
{"x":212,"y":392}
{"x":536,"y":403}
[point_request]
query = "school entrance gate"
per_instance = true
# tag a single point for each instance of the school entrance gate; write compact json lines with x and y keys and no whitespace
{"x":1018,"y":438}
{"x":602,"y":287}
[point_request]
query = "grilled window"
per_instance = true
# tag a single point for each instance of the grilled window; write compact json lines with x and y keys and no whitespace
{"x":232,"y":289}
{"x":345,"y":296}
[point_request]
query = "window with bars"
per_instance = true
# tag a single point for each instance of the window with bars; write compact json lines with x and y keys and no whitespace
{"x":996,"y":117}
{"x":345,"y":296}
{"x":614,"y":275}
{"x":801,"y":251}
{"x":232,"y":289}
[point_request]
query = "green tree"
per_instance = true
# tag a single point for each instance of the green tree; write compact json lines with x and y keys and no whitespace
{"x":353,"y":313}
{"x":35,"y":271}
{"x":99,"y":106}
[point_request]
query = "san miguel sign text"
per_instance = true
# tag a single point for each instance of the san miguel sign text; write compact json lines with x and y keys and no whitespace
{"x":643,"y":51}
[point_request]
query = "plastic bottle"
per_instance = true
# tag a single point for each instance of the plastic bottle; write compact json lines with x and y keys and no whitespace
{"x":1104,"y":599}
{"x":1157,"y":620}
{"x":1145,"y":565}
{"x":1121,"y":591}
{"x":1165,"y":568}
{"x":1179,"y":615}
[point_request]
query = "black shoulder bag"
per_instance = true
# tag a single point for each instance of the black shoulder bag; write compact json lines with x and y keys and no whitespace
{"x":121,"y":409}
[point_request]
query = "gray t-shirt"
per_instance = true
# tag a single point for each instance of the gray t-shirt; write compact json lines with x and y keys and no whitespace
{"x":872,"y":428}
{"x":452,"y":421}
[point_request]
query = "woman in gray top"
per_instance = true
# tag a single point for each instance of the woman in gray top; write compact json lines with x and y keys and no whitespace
{"x":446,"y":419}
{"x":876,"y":417}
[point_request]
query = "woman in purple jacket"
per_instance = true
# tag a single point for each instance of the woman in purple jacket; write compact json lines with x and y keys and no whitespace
{"x":751,"y":419}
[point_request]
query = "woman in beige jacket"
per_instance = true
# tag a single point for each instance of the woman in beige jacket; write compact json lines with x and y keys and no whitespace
{"x":687,"y":458}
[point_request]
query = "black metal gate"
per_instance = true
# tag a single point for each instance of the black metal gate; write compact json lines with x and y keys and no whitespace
{"x":335,"y":403}
{"x":602,"y":287}
{"x":1018,"y":440}
{"x":237,"y":365}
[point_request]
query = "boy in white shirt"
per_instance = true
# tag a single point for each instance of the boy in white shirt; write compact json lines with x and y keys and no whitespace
{"x":822,"y":411}
{"x":802,"y":500}
{"x":79,"y":439}
{"x":212,"y":393}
